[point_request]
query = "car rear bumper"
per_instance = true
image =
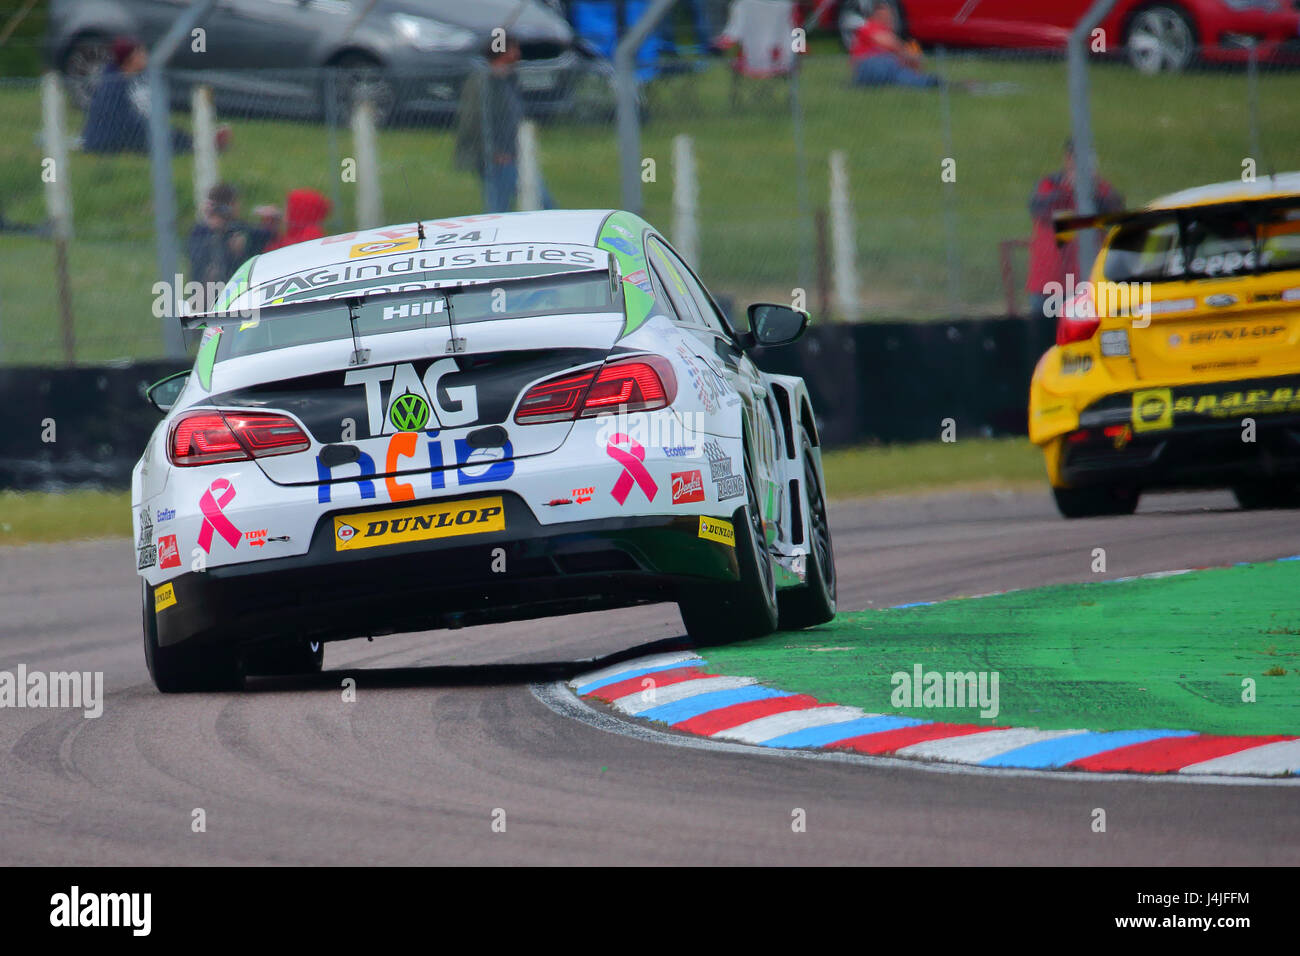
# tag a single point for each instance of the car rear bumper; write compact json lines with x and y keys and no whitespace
{"x":1210,"y":435}
{"x":527,"y":570}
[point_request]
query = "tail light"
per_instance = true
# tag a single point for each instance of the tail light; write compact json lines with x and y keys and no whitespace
{"x":1078,"y":321}
{"x":639,"y":384}
{"x":206,"y":438}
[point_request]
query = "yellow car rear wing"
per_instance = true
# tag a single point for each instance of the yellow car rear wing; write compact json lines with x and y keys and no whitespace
{"x":1257,"y":211}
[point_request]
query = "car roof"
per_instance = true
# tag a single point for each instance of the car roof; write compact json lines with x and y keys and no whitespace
{"x":566,"y":226}
{"x":1264,"y":187}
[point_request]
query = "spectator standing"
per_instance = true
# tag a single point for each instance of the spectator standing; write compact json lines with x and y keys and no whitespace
{"x":487,"y":133}
{"x":117,"y":119}
{"x":1048,"y":262}
{"x":220,"y":242}
{"x":305,"y":213}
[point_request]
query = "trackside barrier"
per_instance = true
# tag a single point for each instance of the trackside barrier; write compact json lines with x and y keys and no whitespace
{"x":871,"y":382}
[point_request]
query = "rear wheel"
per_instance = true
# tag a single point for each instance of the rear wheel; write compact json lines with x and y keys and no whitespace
{"x":814,"y":603}
{"x":1256,"y":495}
{"x":1096,"y":502}
{"x":284,"y":660}
{"x":748,"y":608}
{"x":184,"y":668}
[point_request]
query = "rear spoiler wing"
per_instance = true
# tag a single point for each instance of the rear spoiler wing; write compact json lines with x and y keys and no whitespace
{"x":1068,"y":225}
{"x":194,"y":321}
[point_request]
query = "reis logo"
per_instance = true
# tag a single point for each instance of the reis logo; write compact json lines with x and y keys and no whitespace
{"x":687,"y":486}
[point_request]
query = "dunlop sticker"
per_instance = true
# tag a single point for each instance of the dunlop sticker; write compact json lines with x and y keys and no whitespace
{"x":1153,"y":409}
{"x":164,"y":596}
{"x":718,"y":529}
{"x":433,"y":519}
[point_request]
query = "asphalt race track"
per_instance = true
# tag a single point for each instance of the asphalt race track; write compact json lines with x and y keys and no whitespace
{"x":445,"y":730}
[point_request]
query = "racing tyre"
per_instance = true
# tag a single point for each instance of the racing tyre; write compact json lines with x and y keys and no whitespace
{"x":748,"y":608}
{"x":814,"y":603}
{"x":1096,"y":502}
{"x":284,"y":660}
{"x":1267,"y":494}
{"x":182,"y":669}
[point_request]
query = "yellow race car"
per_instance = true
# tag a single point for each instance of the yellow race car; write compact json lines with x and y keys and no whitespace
{"x":1177,"y":364}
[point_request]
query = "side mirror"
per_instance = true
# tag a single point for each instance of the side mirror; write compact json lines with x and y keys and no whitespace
{"x":776,"y":324}
{"x":163,"y":393}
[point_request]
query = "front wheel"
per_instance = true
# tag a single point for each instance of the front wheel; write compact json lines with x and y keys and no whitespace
{"x":814,"y":603}
{"x":748,"y":608}
{"x":297,"y":657}
{"x":1096,"y":502}
{"x":1267,"y":494}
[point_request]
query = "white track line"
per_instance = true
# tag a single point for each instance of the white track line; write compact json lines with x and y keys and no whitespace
{"x":1281,"y":756}
{"x":775,"y":725}
{"x":636,"y":702}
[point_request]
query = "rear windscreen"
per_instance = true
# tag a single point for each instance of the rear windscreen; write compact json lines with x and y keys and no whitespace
{"x":284,"y":326}
{"x":1205,"y":244}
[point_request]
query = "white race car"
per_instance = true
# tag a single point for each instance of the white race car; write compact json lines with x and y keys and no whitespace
{"x":466,"y":421}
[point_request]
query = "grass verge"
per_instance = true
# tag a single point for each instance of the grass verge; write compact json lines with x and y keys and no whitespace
{"x":28,"y":517}
{"x":1158,"y":653}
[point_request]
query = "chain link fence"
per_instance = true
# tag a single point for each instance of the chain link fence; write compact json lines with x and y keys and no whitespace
{"x":935,"y":205}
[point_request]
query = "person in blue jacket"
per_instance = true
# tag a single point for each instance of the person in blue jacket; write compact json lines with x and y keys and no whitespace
{"x":117,"y":119}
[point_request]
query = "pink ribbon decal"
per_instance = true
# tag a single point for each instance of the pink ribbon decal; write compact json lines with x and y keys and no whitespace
{"x":633,"y":469}
{"x":213,"y":518}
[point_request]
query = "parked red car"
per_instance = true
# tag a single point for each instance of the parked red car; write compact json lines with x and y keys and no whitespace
{"x":1154,"y":34}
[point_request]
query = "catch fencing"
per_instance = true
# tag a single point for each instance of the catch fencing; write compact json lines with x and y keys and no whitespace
{"x":861,"y":203}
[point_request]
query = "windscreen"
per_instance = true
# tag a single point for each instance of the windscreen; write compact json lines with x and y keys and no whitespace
{"x":327,"y":320}
{"x":1210,"y":243}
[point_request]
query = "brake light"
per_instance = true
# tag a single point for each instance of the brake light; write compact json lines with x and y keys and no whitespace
{"x":206,"y":438}
{"x":639,"y":384}
{"x":1078,"y":321}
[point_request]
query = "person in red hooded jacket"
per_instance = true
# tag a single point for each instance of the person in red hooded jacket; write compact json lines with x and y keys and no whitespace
{"x":305,"y":210}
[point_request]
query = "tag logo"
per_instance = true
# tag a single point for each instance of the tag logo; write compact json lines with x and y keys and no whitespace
{"x":391,"y":393}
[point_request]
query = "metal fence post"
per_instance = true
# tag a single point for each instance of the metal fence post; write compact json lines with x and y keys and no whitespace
{"x":58,"y":200}
{"x":203,"y":118}
{"x":686,"y":201}
{"x":844,"y":249}
{"x":801,"y":179}
{"x":1252,"y":97}
{"x":629,"y":125}
{"x":1085,"y":157}
{"x":365,"y":144}
{"x":530,"y":168}
{"x":160,"y":164}
{"x":949,"y":189}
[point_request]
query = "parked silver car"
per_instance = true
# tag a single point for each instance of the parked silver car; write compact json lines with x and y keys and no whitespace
{"x":409,"y":56}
